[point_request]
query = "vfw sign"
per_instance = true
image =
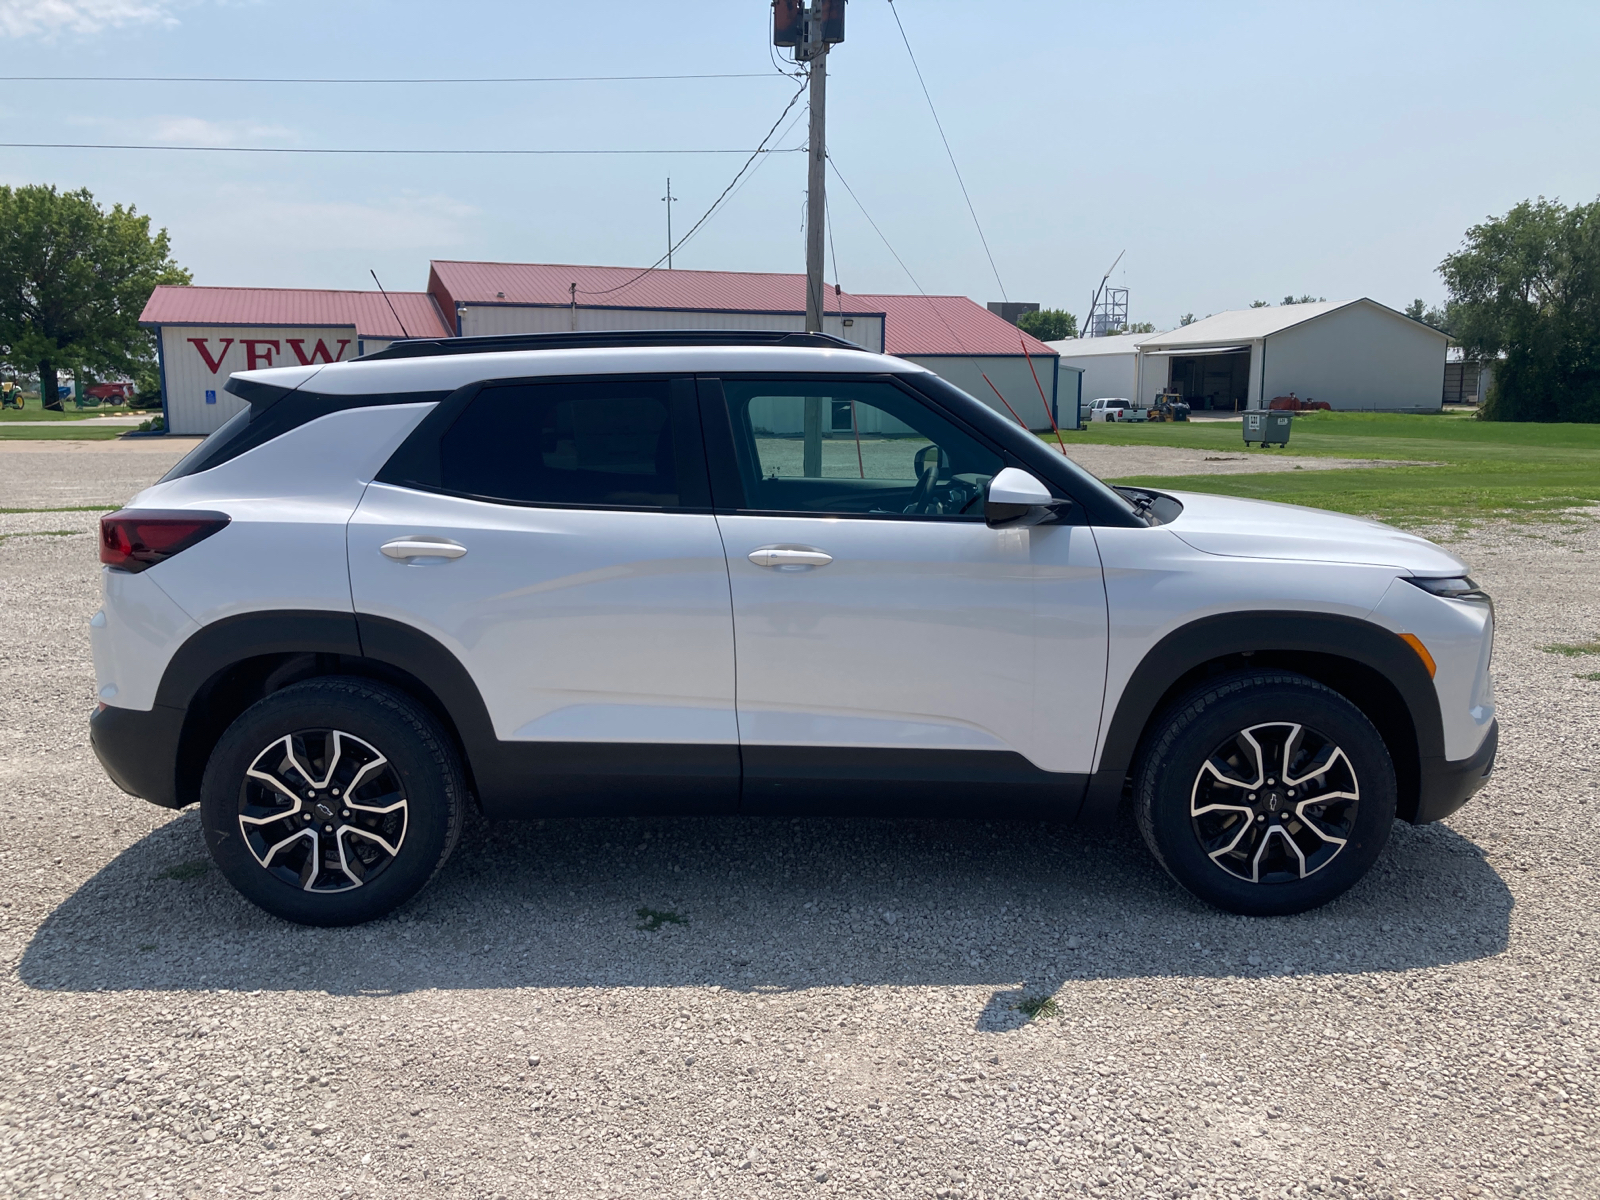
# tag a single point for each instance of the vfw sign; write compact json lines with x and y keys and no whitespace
{"x":198,"y":362}
{"x":259,"y":352}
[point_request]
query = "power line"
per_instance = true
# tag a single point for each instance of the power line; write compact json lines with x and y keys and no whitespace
{"x":759,"y":150}
{"x":940,"y":126}
{"x":397,"y":80}
{"x":793,"y":121}
{"x":959,"y":340}
{"x":755,"y":154}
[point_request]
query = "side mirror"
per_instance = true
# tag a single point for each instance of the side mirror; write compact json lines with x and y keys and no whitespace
{"x":1016,"y":499}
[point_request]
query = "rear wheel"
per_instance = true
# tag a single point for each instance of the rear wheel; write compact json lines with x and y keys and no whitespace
{"x":332,"y":801}
{"x":1265,"y":794}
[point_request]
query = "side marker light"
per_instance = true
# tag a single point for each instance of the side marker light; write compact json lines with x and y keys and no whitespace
{"x":1415,"y":643}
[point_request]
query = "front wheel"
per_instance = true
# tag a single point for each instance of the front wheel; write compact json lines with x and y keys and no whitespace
{"x":332,"y":801}
{"x":1265,"y":793}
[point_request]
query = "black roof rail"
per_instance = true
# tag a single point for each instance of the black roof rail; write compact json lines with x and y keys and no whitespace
{"x":605,"y":339}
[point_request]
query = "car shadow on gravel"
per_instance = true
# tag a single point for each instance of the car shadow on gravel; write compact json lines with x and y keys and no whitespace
{"x":759,"y":904}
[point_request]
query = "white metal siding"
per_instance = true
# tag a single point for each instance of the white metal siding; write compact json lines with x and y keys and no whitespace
{"x":1358,"y":357}
{"x":1010,"y":375}
{"x":487,"y":319}
{"x":1103,"y":374}
{"x":191,"y":375}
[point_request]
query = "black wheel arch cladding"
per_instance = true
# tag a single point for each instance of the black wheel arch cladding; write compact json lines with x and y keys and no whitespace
{"x":1363,"y":662}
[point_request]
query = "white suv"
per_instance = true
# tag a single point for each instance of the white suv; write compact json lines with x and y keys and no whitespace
{"x":751,"y":573}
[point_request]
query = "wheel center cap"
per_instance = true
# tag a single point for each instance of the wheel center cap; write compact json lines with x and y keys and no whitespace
{"x":1273,"y":801}
{"x":322,"y":810}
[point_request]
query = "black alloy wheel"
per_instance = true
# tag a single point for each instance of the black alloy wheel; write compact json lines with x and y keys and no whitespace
{"x":323,"y":810}
{"x":332,"y":801}
{"x":1265,"y":794}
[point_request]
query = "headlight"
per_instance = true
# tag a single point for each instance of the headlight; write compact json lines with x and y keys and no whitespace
{"x":1457,"y":588}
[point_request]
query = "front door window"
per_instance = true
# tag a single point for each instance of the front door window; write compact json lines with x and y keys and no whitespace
{"x":865,"y":448}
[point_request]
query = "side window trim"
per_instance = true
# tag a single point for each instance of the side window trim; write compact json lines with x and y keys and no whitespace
{"x":722,"y":462}
{"x":416,"y":464}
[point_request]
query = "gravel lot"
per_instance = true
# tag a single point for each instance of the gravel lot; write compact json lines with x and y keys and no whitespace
{"x":837,"y":1013}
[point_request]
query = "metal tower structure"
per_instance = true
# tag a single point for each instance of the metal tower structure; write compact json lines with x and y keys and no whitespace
{"x":1109,"y":313}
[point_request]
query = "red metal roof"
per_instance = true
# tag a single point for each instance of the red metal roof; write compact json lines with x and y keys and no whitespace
{"x":948,"y":325}
{"x":369,"y":312}
{"x":912,"y":324}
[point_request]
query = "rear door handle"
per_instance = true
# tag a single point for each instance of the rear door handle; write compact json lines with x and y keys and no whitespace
{"x":788,"y":556}
{"x":421,"y":547}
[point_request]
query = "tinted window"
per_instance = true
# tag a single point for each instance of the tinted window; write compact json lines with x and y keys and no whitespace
{"x":854,"y":447}
{"x":602,"y":443}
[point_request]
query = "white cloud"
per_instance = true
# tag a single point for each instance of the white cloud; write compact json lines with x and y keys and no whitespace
{"x":23,"y":18}
{"x":410,"y":221}
{"x":198,"y":131}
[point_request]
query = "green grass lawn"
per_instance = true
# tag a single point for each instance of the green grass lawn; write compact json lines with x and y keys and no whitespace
{"x":1486,"y":468}
{"x":33,"y":410}
{"x":68,"y":432}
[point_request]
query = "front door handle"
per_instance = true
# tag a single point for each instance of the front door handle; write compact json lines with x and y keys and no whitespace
{"x":789,"y":556}
{"x":422,"y":547}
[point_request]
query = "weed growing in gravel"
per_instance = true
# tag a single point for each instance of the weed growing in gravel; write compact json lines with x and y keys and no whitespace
{"x":146,"y":947}
{"x":184,"y":872}
{"x":653,"y":919}
{"x":1573,"y":649}
{"x":78,"y":508}
{"x":1592,"y":676}
{"x":1034,"y":1007}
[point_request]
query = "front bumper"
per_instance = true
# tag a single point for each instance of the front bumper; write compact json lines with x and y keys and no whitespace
{"x":139,"y":750}
{"x":1447,"y":785}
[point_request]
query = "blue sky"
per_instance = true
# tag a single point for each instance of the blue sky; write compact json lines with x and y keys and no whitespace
{"x":1236,"y":151}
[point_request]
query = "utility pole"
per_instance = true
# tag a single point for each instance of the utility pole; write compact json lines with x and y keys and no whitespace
{"x":810,"y":31}
{"x":671,"y":200}
{"x":816,"y":185}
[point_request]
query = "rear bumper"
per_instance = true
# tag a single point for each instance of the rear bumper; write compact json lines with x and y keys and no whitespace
{"x":1447,"y":785}
{"x":139,"y":750}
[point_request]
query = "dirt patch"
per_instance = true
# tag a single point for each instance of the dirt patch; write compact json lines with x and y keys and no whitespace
{"x":1121,"y":462}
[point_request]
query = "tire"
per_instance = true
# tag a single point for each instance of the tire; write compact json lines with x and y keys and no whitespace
{"x":1272,"y":849}
{"x":297,"y":847}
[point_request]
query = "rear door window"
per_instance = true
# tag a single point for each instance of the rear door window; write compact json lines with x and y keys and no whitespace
{"x":595,"y":443}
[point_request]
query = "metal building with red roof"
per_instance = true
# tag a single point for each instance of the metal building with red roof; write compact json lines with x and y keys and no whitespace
{"x":207,"y":333}
{"x":952,"y":335}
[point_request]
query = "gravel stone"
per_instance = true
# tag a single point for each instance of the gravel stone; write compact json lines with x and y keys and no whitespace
{"x":514,"y":1032}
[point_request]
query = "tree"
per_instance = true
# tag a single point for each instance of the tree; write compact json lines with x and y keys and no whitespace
{"x":1139,"y":327}
{"x":1049,"y":324}
{"x":1308,"y":298}
{"x":1526,"y":286}
{"x":1438,"y":318}
{"x":1259,"y":304}
{"x":73,"y":279}
{"x":1186,"y":319}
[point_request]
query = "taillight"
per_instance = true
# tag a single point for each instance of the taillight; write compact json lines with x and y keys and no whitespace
{"x":134,"y":539}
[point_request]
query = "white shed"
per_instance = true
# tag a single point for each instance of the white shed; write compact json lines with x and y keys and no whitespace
{"x":1108,"y":364}
{"x":1352,"y":354}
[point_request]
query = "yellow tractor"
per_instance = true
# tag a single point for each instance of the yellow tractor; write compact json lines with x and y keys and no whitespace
{"x":1169,"y":406}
